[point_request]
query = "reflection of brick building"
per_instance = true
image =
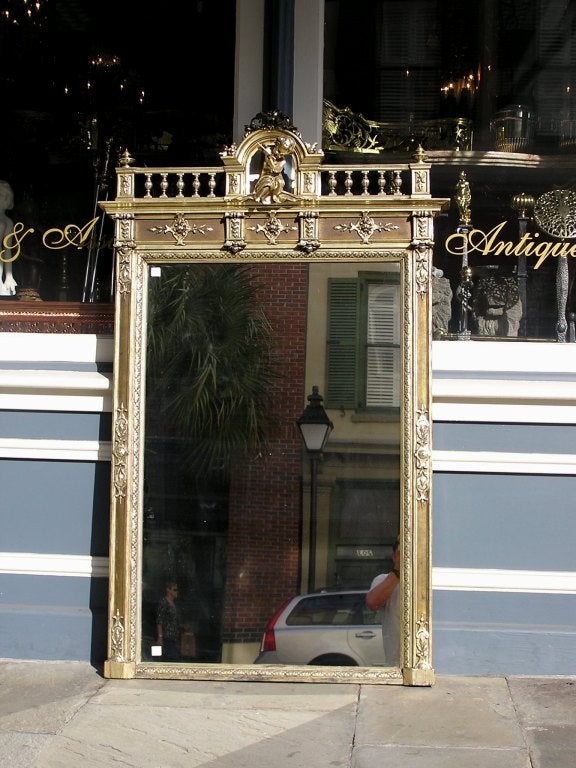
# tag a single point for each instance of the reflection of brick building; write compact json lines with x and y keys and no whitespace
{"x":265,"y":499}
{"x":268,"y":521}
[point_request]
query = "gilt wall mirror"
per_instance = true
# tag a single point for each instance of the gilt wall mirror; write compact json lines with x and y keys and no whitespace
{"x":244,"y":293}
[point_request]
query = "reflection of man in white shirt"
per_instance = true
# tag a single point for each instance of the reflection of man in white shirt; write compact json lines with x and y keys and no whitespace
{"x":384,"y":593}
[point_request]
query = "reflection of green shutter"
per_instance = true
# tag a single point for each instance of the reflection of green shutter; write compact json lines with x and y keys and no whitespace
{"x":342,"y":351}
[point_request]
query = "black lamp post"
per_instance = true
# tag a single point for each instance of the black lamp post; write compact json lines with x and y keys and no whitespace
{"x":315,"y":427}
{"x":523,"y":204}
{"x":463,"y":199}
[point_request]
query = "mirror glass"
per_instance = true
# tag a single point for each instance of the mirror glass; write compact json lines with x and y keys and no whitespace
{"x":253,"y":550}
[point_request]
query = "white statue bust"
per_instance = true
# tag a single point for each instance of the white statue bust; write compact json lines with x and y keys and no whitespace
{"x":7,"y":282}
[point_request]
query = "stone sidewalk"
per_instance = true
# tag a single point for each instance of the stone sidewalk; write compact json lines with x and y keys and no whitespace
{"x":65,"y":715}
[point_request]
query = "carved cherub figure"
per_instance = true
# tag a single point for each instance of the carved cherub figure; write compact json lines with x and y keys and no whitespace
{"x":269,"y":188}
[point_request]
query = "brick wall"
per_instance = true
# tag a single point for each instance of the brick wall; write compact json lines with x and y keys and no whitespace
{"x":265,"y":494}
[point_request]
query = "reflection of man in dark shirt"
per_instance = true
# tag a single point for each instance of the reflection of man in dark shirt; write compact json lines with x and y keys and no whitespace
{"x":169,"y":624}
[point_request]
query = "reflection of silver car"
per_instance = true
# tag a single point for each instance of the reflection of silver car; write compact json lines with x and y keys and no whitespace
{"x":324,"y":628}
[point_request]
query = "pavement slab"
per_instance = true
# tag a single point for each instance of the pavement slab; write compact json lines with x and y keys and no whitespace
{"x":455,"y":712}
{"x":178,"y":737}
{"x":19,"y":750}
{"x":544,"y":700}
{"x":40,"y":697}
{"x":226,"y":695}
{"x":546,"y":710}
{"x":552,"y":746}
{"x":439,"y":757}
{"x":66,"y":715}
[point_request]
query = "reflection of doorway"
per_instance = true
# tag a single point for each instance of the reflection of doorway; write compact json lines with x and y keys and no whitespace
{"x":364,"y":524}
{"x":197,"y":565}
{"x":184,"y":540}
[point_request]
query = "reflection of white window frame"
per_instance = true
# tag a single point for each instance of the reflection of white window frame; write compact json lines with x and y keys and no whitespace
{"x":363,"y":362}
{"x":382,"y":347}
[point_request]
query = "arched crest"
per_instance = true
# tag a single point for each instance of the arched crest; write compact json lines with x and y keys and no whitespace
{"x":272,"y":165}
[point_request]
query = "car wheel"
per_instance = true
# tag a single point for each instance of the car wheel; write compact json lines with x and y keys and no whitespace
{"x":334,"y":660}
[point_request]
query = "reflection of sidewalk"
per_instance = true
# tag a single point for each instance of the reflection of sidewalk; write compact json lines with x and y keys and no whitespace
{"x":65,"y":715}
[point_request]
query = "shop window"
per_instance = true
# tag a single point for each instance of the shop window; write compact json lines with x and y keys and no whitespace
{"x":77,"y":91}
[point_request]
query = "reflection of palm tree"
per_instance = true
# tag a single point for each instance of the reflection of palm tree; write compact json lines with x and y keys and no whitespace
{"x":209,"y":363}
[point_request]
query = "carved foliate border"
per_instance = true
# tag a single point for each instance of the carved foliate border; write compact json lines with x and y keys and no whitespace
{"x":120,"y":452}
{"x":271,"y":673}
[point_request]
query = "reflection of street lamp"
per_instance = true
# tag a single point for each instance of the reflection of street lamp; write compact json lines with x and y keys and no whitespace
{"x":315,"y":427}
{"x":523,"y":204}
{"x":463,"y":198}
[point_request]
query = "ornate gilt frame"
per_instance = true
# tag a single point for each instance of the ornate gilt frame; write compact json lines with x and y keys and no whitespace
{"x":335,"y":213}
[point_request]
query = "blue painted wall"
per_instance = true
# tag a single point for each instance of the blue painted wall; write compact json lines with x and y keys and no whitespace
{"x":517,"y":522}
{"x":513,"y":522}
{"x":59,"y":507}
{"x":524,"y":522}
{"x":54,"y":515}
